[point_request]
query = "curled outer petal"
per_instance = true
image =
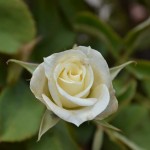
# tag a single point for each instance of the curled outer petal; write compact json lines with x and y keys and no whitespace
{"x":81,"y":115}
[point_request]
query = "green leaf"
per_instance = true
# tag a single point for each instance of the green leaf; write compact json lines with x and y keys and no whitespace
{"x":120,"y":85}
{"x":58,"y":138}
{"x":98,"y":139}
{"x":20,"y":113}
{"x":71,"y":8}
{"x":128,"y":95}
{"x":48,"y":121}
{"x":141,"y":70}
{"x":126,"y":141}
{"x":146,"y":87}
{"x":13,"y":76}
{"x":140,"y":134}
{"x":28,"y":66}
{"x":135,"y":124}
{"x":23,"y":55}
{"x":107,"y":125}
{"x":135,"y":110}
{"x":89,"y":23}
{"x":137,"y":36}
{"x":109,"y":144}
{"x":16,"y":27}
{"x":56,"y":33}
{"x":115,"y":70}
{"x":83,"y":133}
{"x":3,"y":73}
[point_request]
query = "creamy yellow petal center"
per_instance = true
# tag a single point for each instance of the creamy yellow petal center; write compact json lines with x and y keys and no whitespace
{"x":71,"y":78}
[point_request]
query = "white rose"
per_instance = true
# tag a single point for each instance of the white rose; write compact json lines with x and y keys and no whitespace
{"x":75,"y":85}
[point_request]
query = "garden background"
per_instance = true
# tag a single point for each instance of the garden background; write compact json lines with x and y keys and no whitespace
{"x":33,"y":29}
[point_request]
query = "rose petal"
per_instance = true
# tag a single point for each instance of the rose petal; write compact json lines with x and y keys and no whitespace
{"x":49,"y":66}
{"x":112,"y":106}
{"x":87,"y":113}
{"x":82,"y":88}
{"x":89,"y":79}
{"x":38,"y":83}
{"x":51,"y":61}
{"x":74,"y":71}
{"x":75,"y":100}
{"x":70,"y":86}
{"x":54,"y":92}
{"x":99,"y":66}
{"x":68,"y":100}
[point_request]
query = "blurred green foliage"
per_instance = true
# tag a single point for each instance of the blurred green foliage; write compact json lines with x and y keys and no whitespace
{"x":33,"y":29}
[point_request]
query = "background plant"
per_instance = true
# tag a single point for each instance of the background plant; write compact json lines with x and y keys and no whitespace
{"x":33,"y":29}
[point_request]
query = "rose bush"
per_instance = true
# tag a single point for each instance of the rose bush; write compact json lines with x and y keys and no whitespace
{"x":75,"y":85}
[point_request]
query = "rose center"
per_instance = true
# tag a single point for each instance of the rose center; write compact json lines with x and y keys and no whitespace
{"x":72,"y":73}
{"x":71,"y":77}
